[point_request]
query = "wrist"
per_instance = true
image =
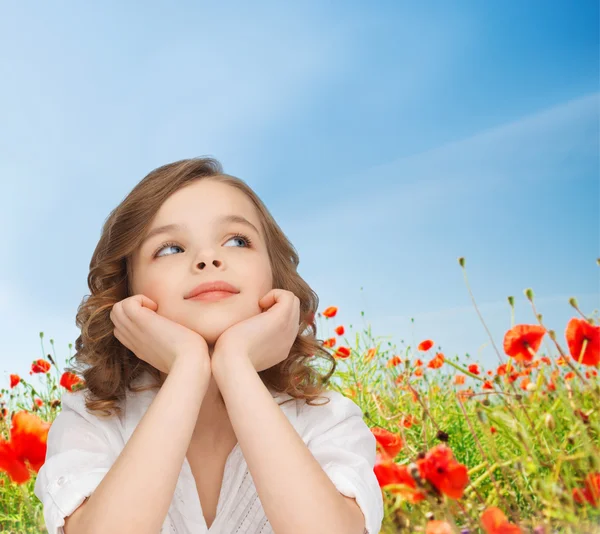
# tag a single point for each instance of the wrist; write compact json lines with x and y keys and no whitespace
{"x":192,"y":362}
{"x":225,"y":363}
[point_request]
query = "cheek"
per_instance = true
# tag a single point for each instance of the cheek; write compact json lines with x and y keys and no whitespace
{"x":161,"y":289}
{"x":266,"y":278}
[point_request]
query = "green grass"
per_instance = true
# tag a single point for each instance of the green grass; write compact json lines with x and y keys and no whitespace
{"x":544,"y":445}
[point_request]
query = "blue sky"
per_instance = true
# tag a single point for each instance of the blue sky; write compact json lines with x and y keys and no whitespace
{"x":387,"y":139}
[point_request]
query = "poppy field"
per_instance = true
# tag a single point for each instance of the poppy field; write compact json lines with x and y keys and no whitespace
{"x":462,"y":447}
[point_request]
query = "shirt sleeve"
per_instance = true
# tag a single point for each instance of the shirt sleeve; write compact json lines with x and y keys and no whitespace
{"x":345,"y":447}
{"x":78,"y":456}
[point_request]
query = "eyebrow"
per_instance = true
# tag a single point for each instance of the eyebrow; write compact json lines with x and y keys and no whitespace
{"x":224,"y":219}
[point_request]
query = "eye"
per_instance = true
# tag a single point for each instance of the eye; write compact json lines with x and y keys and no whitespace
{"x":166,"y":245}
{"x":171,"y":244}
{"x":243,"y":237}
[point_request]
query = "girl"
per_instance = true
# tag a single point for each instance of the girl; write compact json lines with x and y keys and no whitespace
{"x":197,"y":412}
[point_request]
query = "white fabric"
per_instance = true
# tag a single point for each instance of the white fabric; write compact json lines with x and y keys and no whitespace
{"x":81,"y":448}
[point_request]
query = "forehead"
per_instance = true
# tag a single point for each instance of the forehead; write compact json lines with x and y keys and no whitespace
{"x":203,"y":201}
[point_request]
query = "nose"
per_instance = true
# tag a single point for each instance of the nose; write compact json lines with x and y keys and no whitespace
{"x":217,"y":263}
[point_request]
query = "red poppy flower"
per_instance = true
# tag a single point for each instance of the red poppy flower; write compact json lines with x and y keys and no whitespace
{"x":437,"y":362}
{"x":407,"y":421}
{"x":342,"y":352}
{"x":425,"y":345}
{"x":494,"y":521}
{"x":512,"y":377}
{"x":390,"y":443}
{"x":488,"y":385}
{"x":14,"y":380}
{"x":329,"y":342}
{"x":26,"y":448}
{"x":370,"y":355}
{"x":393,"y":362}
{"x":418,"y":371}
{"x":578,"y":332}
{"x":418,"y":362}
{"x":473,"y":368}
{"x":330,"y":312}
{"x":389,"y":473}
{"x":522,"y":341}
{"x":569,"y":375}
{"x":459,"y":380}
{"x":339,"y":330}
{"x":40,"y":366}
{"x":465,"y":394}
{"x":68,"y":380}
{"x":443,"y":471}
{"x":591,"y":492}
{"x":438,"y":527}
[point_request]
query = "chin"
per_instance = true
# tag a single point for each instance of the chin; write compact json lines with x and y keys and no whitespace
{"x":210,"y":320}
{"x":211,"y":326}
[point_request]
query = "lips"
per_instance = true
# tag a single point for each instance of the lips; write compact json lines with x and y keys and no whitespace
{"x":217,"y":285}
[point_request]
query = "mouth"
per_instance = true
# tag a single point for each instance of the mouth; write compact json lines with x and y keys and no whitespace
{"x":213,"y":295}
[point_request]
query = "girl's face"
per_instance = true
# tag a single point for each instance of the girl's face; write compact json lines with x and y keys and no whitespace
{"x":205,"y":249}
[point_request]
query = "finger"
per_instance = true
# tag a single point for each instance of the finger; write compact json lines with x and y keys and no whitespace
{"x":146,"y":302}
{"x":136,"y":316}
{"x":116,"y":313}
{"x":120,"y":317}
{"x":274,"y":296}
{"x":131,"y":306}
{"x":119,"y":335}
{"x":269,"y":299}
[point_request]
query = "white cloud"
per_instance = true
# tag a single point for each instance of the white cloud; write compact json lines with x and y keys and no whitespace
{"x":431,"y":183}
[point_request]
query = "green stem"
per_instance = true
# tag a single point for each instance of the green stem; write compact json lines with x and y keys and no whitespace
{"x":463,"y":370}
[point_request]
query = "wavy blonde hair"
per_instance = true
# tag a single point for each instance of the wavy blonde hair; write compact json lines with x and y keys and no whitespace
{"x":107,"y":367}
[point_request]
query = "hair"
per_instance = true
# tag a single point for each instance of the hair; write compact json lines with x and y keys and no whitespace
{"x":108,"y":368}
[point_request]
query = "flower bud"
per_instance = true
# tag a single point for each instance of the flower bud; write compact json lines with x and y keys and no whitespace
{"x":549,"y":421}
{"x":529,"y":293}
{"x":442,"y":436}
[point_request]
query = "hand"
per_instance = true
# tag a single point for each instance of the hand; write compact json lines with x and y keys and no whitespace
{"x":152,"y":337}
{"x":265,"y":338}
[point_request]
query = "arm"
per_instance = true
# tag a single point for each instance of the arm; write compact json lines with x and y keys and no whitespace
{"x":135,"y":494}
{"x":288,"y":479}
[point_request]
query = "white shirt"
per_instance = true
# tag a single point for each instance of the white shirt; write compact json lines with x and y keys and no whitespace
{"x":82,"y":447}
